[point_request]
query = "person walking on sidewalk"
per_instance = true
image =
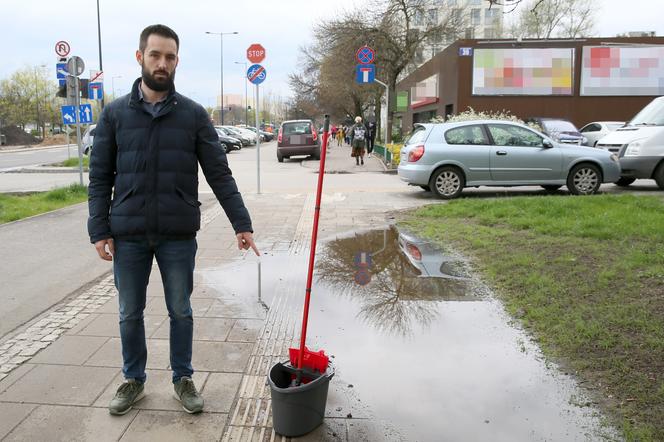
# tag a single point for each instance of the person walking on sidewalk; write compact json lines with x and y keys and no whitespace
{"x":147,"y":148}
{"x":358,"y":135}
{"x":340,"y":135}
{"x":371,"y":137}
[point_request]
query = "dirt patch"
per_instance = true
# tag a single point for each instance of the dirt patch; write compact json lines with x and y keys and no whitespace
{"x":18,"y":137}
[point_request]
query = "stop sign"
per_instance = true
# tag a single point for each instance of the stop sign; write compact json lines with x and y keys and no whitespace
{"x":255,"y":53}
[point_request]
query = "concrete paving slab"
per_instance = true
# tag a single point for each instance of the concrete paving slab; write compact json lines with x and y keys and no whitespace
{"x":205,"y":329}
{"x":370,"y":430}
{"x":220,"y":390}
{"x":110,"y":354}
{"x":166,"y":426}
{"x":331,"y":430}
{"x":110,"y":307}
{"x":245,"y":330}
{"x":158,"y":391}
{"x":82,"y":324}
{"x":236,"y":308}
{"x":14,"y":376}
{"x":221,"y":356}
{"x":58,"y":423}
{"x":209,"y":291}
{"x":70,"y":350}
{"x":107,"y":325}
{"x":11,"y":415}
{"x":60,"y":385}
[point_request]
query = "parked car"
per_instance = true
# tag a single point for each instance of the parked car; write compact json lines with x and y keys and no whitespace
{"x":234,"y":134}
{"x":249,"y":135}
{"x":228,"y":143}
{"x":640,"y":145}
{"x":265,"y":136}
{"x":447,"y":157}
{"x":598,"y":129}
{"x":88,"y":138}
{"x":562,"y":131}
{"x":297,"y":137}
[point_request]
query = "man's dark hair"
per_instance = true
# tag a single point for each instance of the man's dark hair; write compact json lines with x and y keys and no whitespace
{"x":161,"y":30}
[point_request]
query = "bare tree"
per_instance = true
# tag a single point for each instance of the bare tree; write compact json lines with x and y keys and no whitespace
{"x":555,"y":18}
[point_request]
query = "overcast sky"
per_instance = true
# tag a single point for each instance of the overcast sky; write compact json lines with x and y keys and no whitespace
{"x":30,"y":29}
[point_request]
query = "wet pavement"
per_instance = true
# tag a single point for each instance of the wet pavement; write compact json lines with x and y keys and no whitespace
{"x":420,"y":347}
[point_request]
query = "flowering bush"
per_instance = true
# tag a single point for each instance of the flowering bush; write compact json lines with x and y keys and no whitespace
{"x":471,"y":114}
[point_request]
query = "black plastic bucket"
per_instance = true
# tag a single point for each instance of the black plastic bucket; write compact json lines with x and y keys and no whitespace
{"x":297,"y":410}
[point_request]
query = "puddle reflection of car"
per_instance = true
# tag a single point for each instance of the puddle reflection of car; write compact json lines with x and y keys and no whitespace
{"x":429,"y":260}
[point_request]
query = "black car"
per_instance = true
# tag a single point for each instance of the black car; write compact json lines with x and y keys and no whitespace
{"x":228,"y":143}
{"x":234,"y":134}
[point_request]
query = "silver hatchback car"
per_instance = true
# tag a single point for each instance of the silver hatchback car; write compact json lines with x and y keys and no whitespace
{"x":447,"y":157}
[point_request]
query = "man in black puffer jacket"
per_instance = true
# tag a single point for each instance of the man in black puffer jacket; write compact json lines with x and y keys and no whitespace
{"x":146,"y":152}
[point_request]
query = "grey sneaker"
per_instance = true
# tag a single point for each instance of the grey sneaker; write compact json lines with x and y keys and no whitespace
{"x":127,"y":395}
{"x":185,"y":392}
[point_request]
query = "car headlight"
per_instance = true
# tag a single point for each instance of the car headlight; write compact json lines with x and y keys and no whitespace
{"x":634,"y":148}
{"x":614,"y":157}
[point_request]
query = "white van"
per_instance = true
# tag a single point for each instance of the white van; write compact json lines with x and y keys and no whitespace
{"x":640,"y":145}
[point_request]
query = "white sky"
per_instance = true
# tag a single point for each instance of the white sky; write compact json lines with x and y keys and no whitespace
{"x":30,"y":29}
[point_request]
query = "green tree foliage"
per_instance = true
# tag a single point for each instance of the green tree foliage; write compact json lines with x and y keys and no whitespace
{"x":28,"y":96}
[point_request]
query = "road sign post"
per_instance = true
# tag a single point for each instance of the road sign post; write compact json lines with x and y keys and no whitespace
{"x":256,"y":74}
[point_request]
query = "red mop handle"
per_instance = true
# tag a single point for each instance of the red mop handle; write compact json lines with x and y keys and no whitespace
{"x":314,"y":235}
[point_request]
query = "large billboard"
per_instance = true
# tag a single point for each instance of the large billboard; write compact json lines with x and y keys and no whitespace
{"x":537,"y":71}
{"x":424,"y":92}
{"x":626,"y":70}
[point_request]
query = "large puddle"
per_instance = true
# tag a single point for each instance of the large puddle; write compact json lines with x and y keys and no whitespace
{"x":419,"y":346}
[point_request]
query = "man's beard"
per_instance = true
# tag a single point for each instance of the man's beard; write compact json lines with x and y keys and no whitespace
{"x":157,"y":84}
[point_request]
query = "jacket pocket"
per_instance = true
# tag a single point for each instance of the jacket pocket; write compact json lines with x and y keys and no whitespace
{"x":122,"y":197}
{"x":187,"y":198}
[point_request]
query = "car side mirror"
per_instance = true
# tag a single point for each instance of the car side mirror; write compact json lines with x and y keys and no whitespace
{"x":547,"y":143}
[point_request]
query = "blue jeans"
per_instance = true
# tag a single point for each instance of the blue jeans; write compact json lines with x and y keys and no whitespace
{"x":132,"y":264}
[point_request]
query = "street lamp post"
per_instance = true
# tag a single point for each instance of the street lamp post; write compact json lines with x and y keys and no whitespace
{"x":246,"y":98}
{"x":221,"y":64}
{"x":113,"y":84}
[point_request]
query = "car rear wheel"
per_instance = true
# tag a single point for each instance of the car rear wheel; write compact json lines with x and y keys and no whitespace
{"x":551,"y":187}
{"x":584,"y":179}
{"x":659,"y":176}
{"x":447,"y":182}
{"x":280,"y":157}
{"x":316,"y":154}
{"x":624,"y":181}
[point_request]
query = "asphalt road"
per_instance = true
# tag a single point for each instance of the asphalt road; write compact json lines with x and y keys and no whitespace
{"x":34,"y":157}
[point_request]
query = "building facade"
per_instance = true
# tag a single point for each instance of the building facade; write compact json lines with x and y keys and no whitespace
{"x":582,"y":80}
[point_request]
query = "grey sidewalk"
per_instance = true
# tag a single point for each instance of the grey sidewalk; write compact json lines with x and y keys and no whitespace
{"x":61,"y":392}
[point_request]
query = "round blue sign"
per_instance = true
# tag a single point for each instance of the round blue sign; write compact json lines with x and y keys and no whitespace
{"x":365,"y":55}
{"x":256,"y":74}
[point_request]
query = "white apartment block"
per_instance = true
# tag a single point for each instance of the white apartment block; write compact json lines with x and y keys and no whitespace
{"x":471,"y":19}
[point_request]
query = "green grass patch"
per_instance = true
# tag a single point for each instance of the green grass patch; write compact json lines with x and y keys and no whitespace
{"x":73,"y":162}
{"x":15,"y":207}
{"x":586,"y":276}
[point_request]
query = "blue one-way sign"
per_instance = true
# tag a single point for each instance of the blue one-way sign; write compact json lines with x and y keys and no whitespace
{"x":365,"y":73}
{"x":84,"y":114}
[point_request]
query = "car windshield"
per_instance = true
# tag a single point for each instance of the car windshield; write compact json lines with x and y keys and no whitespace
{"x":651,"y":115}
{"x":554,"y":126}
{"x":298,"y":128}
{"x":418,"y":136}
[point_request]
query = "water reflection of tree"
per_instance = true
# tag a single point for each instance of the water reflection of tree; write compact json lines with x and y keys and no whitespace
{"x":396,"y":299}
